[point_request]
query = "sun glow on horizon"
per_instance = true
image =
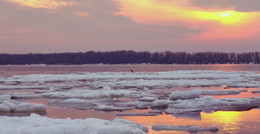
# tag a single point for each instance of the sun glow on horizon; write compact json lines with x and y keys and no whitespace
{"x":151,"y":11}
{"x":226,"y":14}
{"x":226,"y":17}
{"x":154,"y":12}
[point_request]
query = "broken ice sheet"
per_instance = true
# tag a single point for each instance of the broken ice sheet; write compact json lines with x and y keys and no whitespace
{"x":152,"y":80}
{"x":196,"y":93}
{"x":36,"y":124}
{"x":82,"y":104}
{"x":210,"y":104}
{"x":191,"y":129}
{"x":7,"y":105}
{"x":110,"y":108}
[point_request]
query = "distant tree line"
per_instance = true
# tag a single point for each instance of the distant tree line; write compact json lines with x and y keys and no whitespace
{"x":131,"y":57}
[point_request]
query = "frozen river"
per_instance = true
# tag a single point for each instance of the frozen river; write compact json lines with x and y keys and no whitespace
{"x":166,"y":99}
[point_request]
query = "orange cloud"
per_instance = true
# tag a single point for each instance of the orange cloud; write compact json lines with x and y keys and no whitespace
{"x":82,"y":14}
{"x":217,"y":23}
{"x":50,"y":4}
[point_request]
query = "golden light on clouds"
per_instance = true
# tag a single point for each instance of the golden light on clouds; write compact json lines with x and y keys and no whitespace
{"x":160,"y":12}
{"x":173,"y":12}
{"x":50,"y":4}
{"x":226,"y":17}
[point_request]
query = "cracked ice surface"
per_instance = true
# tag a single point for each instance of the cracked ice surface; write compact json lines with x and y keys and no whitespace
{"x":135,"y":86}
{"x":81,"y":93}
{"x":36,"y":124}
{"x":153,"y":80}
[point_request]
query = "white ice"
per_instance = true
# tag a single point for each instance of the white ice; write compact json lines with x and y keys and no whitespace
{"x":152,"y":80}
{"x":195,"y":93}
{"x":111,"y":108}
{"x":7,"y":105}
{"x":191,"y":129}
{"x":137,"y":87}
{"x":36,"y":124}
{"x":210,"y":104}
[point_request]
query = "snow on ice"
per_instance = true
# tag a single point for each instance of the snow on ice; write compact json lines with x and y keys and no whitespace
{"x":120,"y":91}
{"x":11,"y":106}
{"x":191,"y":129}
{"x":152,"y":80}
{"x":36,"y":124}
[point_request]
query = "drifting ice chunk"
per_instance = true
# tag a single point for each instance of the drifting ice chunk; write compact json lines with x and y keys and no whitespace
{"x":36,"y":124}
{"x":192,"y":94}
{"x":112,"y":108}
{"x":180,"y":111}
{"x":191,"y":129}
{"x":209,"y":104}
{"x":107,"y":88}
{"x":137,"y":114}
{"x":90,"y":94}
{"x":130,"y":123}
{"x":7,"y":105}
{"x":20,"y":87}
{"x":83,"y":104}
{"x":185,"y":95}
{"x":5,"y":97}
{"x":27,"y":107}
{"x":161,"y":103}
{"x":148,"y":99}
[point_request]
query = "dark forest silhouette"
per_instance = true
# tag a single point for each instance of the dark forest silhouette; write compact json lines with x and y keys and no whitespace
{"x":131,"y":57}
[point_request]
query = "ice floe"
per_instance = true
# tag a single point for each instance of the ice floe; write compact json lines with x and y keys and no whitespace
{"x":137,"y":114}
{"x":191,"y":129}
{"x":148,"y":99}
{"x":150,"y":80}
{"x":210,"y":104}
{"x":80,"y":93}
{"x":111,"y":108}
{"x":16,"y":87}
{"x":183,"y":95}
{"x":192,"y":94}
{"x":89,"y":90}
{"x":36,"y":124}
{"x":11,"y":106}
{"x":86,"y":93}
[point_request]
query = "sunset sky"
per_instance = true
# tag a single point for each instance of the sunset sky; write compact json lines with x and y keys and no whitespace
{"x":46,"y":26}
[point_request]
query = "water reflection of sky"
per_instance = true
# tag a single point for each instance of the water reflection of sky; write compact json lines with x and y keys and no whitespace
{"x":65,"y":69}
{"x":227,"y":122}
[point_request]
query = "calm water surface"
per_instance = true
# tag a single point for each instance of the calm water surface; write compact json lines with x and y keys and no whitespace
{"x":64,"y":69}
